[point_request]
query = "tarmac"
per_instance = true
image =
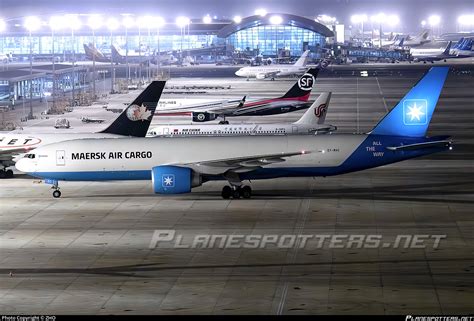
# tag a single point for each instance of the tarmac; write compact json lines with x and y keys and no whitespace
{"x":90,"y":251}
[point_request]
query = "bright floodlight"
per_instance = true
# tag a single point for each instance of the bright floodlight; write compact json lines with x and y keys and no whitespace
{"x":276,"y":20}
{"x":159,"y":22}
{"x":466,"y":19}
{"x":261,"y":12}
{"x":237,"y":19}
{"x":73,"y":21}
{"x":145,"y":22}
{"x":393,"y":20}
{"x":112,"y":24}
{"x":32,"y":23}
{"x":423,"y":23}
{"x":324,"y":18}
{"x":3,"y":25}
{"x":359,"y":18}
{"x":128,"y":22}
{"x":207,"y":19}
{"x":57,"y":22}
{"x":95,"y":22}
{"x":434,"y":20}
{"x":379,"y":18}
{"x":182,"y":21}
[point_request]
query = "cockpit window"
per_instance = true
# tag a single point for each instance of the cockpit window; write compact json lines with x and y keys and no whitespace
{"x":31,"y":156}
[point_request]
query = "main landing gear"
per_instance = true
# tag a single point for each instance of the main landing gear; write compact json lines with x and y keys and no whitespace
{"x":6,"y":173}
{"x":236,"y":192}
{"x":224,"y":122}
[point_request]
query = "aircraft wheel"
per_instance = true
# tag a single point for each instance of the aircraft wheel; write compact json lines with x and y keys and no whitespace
{"x":56,"y":194}
{"x":9,"y":173}
{"x":2,"y":174}
{"x":224,"y":122}
{"x":246,"y":192}
{"x":226,"y":192}
{"x":236,"y":193}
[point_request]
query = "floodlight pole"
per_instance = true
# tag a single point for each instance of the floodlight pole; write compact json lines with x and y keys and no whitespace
{"x":73,"y":68}
{"x":112,"y":71}
{"x":94,"y":72}
{"x":54,"y":71}
{"x":126,"y":55}
{"x":30,"y":115}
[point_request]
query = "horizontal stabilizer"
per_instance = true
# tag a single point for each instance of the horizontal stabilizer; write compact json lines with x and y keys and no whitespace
{"x":439,"y":143}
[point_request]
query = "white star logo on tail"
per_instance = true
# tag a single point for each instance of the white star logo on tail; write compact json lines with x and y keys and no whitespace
{"x":415,"y":111}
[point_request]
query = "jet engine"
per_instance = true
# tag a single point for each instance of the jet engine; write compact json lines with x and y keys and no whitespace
{"x":174,"y":179}
{"x":201,"y":117}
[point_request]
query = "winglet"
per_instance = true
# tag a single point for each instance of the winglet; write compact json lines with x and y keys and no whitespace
{"x":412,"y":115}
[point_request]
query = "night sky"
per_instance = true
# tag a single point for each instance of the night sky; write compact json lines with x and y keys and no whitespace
{"x":411,"y":12}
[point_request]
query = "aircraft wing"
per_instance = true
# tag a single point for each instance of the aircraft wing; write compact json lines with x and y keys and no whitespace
{"x":238,"y":164}
{"x":13,"y":151}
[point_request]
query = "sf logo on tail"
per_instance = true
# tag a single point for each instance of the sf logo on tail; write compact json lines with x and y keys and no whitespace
{"x":306,"y":82}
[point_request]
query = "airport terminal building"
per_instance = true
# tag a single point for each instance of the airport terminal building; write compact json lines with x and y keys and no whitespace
{"x":265,"y":35}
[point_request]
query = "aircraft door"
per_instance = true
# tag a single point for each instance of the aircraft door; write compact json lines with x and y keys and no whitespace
{"x":60,"y":158}
{"x":294,"y":129}
{"x":166,"y":131}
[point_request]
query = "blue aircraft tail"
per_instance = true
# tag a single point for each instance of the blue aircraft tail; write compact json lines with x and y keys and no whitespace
{"x":458,"y":44}
{"x":412,"y":115}
{"x":467,"y":45}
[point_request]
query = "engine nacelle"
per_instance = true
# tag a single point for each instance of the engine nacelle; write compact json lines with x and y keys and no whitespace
{"x":203,"y":116}
{"x":174,"y":179}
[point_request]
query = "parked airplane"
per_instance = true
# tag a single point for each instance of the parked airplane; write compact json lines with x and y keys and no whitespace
{"x":177,"y":165}
{"x":312,"y":122}
{"x":92,"y":53}
{"x":5,"y":58}
{"x":295,"y":99}
{"x":119,"y":56}
{"x":408,"y":41}
{"x":418,"y":40}
{"x":133,"y":121}
{"x":463,"y":48}
{"x":273,"y":70}
{"x":432,"y":54}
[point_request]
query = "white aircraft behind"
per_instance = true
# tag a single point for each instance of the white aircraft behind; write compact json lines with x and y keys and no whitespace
{"x":312,"y":122}
{"x":272,"y":71}
{"x":5,"y":58}
{"x":134,"y":121}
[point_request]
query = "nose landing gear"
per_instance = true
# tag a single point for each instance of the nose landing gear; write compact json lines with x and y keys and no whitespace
{"x":56,"y":192}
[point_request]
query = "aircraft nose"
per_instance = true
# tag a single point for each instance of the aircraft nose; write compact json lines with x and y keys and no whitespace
{"x":238,"y":72}
{"x":24,"y":165}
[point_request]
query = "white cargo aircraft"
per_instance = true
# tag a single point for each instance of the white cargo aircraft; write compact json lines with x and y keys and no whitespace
{"x":133,"y":121}
{"x":312,"y":122}
{"x":273,"y":71}
{"x":177,"y":165}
